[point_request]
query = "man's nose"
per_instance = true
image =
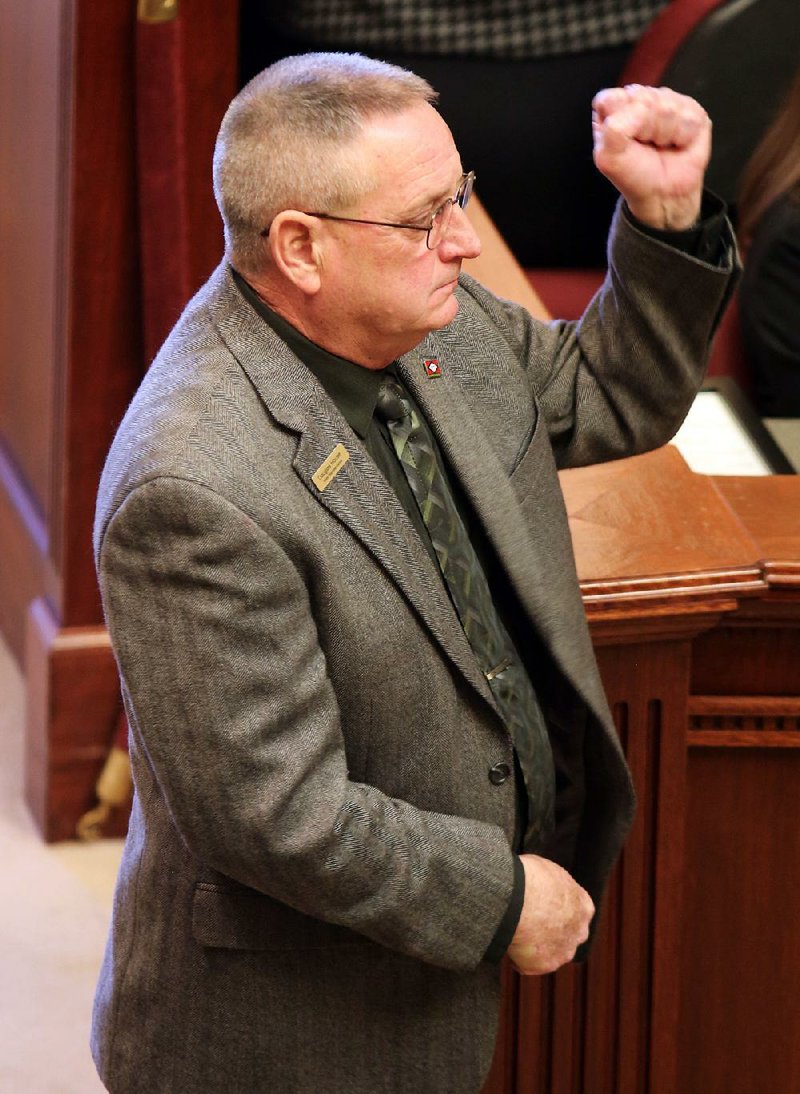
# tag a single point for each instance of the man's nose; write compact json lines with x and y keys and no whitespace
{"x":461,"y":240}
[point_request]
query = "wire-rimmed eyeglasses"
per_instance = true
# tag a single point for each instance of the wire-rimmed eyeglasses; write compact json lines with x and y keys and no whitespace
{"x":439,"y":223}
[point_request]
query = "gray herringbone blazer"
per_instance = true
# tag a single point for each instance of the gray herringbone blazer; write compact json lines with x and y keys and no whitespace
{"x":317,"y":859}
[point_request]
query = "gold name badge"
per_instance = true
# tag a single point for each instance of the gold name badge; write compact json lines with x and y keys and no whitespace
{"x":330,"y":468}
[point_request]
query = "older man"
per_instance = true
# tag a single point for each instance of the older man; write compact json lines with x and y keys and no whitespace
{"x":369,"y":741}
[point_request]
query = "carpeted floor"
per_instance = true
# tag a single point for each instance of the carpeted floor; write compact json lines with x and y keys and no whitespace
{"x":54,"y":911}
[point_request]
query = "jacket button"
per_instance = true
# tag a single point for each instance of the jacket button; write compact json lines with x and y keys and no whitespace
{"x":498,"y":773}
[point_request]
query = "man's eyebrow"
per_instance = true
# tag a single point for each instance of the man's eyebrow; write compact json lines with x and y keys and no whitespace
{"x":423,"y":206}
{"x":430,"y":204}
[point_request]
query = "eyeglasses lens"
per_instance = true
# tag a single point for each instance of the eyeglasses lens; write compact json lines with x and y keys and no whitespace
{"x":439,"y":225}
{"x":465,"y":190}
{"x":442,"y":216}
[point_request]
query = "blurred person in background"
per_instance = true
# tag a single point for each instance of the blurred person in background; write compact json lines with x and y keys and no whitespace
{"x":769,"y":229}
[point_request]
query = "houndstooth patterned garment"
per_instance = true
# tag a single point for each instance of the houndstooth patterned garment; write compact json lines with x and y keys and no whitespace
{"x":484,"y":28}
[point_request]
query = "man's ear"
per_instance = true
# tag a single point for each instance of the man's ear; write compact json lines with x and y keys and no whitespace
{"x":296,"y":250}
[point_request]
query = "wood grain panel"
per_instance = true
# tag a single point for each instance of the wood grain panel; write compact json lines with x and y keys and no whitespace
{"x":744,"y":657}
{"x":185,"y":80}
{"x":740,"y":1015}
{"x":647,"y":687}
{"x":211,"y":50}
{"x":72,"y":709}
{"x":102,"y":335}
{"x":770,"y":512}
{"x":500,"y":1079}
{"x":607,"y":1028}
{"x":603,"y":1023}
{"x":744,"y":721}
{"x":33,"y":117}
{"x":94,"y":360}
{"x":650,"y":517}
{"x":24,"y":569}
{"x":534,"y":1035}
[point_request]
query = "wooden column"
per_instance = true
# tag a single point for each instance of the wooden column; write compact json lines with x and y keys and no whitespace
{"x":739,"y":1027}
{"x":70,"y":361}
{"x":71,"y":315}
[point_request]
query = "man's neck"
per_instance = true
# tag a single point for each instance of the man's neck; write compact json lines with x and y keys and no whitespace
{"x":302,"y":315}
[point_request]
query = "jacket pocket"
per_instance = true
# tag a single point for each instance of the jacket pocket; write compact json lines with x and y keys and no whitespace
{"x":525,"y":447}
{"x":243,"y":919}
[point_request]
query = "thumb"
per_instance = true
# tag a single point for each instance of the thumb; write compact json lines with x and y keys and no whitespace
{"x":609,"y":137}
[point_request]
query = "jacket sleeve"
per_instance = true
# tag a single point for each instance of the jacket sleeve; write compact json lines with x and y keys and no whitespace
{"x":621,"y":379}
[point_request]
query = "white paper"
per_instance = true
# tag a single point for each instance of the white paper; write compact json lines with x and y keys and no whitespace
{"x":713,"y":441}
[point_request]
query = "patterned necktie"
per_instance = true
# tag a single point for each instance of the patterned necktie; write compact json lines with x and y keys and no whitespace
{"x":472,"y":598}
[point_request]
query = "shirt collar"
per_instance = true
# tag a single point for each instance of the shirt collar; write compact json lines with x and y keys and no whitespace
{"x":353,"y":388}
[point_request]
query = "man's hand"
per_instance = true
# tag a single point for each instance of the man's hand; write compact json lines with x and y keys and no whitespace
{"x":653,"y":144}
{"x":556,"y":914}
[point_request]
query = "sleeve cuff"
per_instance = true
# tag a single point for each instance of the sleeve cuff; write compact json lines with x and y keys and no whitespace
{"x":508,"y":924}
{"x":706,"y":240}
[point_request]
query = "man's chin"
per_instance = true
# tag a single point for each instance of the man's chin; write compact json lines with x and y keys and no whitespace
{"x":446,"y":313}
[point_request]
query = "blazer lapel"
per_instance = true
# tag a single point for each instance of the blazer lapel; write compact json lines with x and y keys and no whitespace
{"x":358,"y":495}
{"x":525,"y":552}
{"x":364,"y":502}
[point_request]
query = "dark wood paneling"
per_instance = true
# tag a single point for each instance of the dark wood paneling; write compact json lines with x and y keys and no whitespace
{"x":647,"y":684}
{"x":71,"y":716}
{"x":185,"y":79}
{"x":728,"y":591}
{"x":101,"y":338}
{"x":106,"y":352}
{"x":69,"y":287}
{"x":740,"y":1016}
{"x":534,"y":1035}
{"x":748,"y":658}
{"x":211,"y":49}
{"x":24,"y":569}
{"x":32,"y":120}
{"x":501,"y":1074}
{"x":70,"y":303}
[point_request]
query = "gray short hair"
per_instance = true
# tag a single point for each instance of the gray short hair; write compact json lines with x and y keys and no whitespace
{"x":287,"y":141}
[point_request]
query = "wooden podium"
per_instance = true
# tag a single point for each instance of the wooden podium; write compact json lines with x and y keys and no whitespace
{"x":692,"y":590}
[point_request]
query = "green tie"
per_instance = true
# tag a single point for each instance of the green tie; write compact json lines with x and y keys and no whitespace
{"x":470,"y":593}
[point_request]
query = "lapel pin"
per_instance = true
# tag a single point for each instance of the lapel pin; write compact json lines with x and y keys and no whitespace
{"x":330,"y":467}
{"x":432,"y":367}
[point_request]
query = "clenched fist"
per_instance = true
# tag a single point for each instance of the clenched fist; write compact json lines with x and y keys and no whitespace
{"x":556,"y":914}
{"x":653,"y":144}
